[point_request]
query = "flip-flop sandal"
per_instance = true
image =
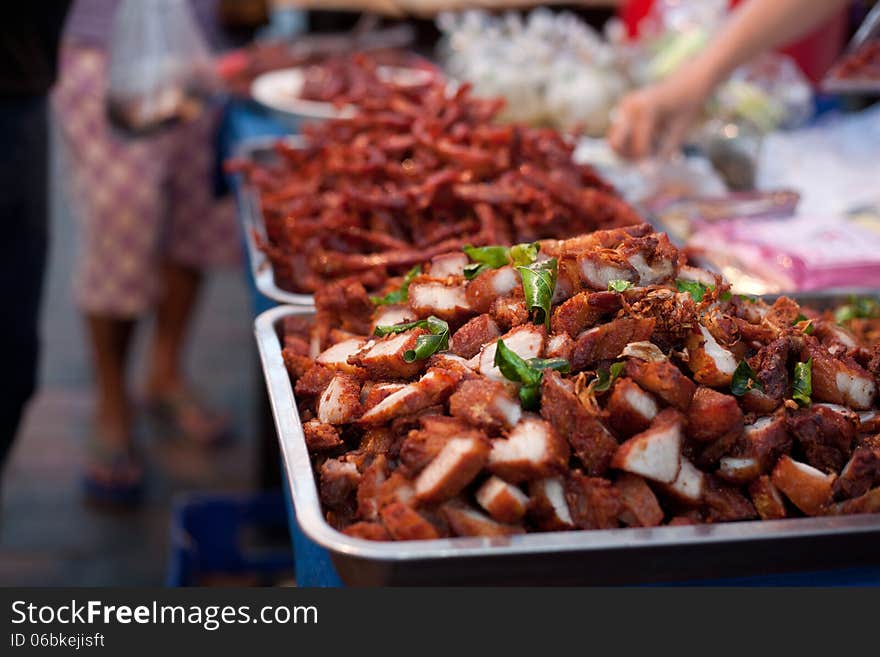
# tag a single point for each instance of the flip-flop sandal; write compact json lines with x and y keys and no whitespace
{"x":114,"y":478}
{"x":185,"y":416}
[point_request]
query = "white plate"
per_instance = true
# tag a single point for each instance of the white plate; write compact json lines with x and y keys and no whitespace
{"x":280,"y":91}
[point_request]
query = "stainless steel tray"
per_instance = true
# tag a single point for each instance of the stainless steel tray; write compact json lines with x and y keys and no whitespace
{"x":251,"y":215}
{"x":617,"y":556}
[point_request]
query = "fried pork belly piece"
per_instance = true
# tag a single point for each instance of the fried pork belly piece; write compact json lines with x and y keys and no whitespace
{"x":509,"y":311}
{"x":640,"y":507}
{"x":296,"y":356}
{"x":607,"y":341}
{"x":767,"y":499}
{"x":526,"y":341}
{"x":382,"y":358}
{"x":391,"y":316}
{"x":689,"y":485}
{"x":460,"y":460}
{"x":368,"y":489}
{"x":663,"y":379}
{"x":470,"y":338}
{"x":559,"y":346}
{"x":465,"y":521}
{"x":654,"y":257}
{"x":867,"y":503}
{"x":321,"y":437}
{"x":336,"y":357}
{"x":348,"y":303}
{"x":486,"y":404}
{"x":448,"y":302}
{"x":861,"y":472}
{"x":739,"y":470}
{"x":726,"y":504}
{"x":630,"y":408}
{"x":372,"y":392}
{"x":825,"y":435}
{"x":833,"y":337}
{"x":583,"y":311}
{"x":396,"y":488}
{"x":406,"y":524}
{"x":766,"y":439}
{"x":771,"y":368}
{"x":448,"y":264}
{"x":422,"y":445}
{"x":492,"y":284}
{"x":809,"y":489}
{"x":869,"y":422}
{"x":713,"y":414}
{"x":594,"y":502}
{"x":782,"y":314}
{"x":675,"y":314}
{"x":453,"y":364}
{"x":370,"y":531}
{"x":503,"y":501}
{"x":533,"y":450}
{"x":339,"y":480}
{"x":311,"y":384}
{"x":836,"y":381}
{"x":711,"y":364}
{"x":340,"y":403}
{"x":588,"y":438}
{"x":548,"y":508}
{"x":601,"y":266}
{"x":433,"y":388}
{"x":656,"y":452}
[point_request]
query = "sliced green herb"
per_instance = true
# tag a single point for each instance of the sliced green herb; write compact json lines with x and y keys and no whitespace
{"x":529,"y":373}
{"x":524,"y":254}
{"x":695,"y":289}
{"x":809,"y":328}
{"x":474,"y":269}
{"x":483,"y":258}
{"x":747,"y":298}
{"x":558,"y":364}
{"x":426,"y":344}
{"x":727,"y":295}
{"x":744,"y":379}
{"x":401,"y":294}
{"x":618,"y":285}
{"x":605,"y":379}
{"x":539,"y":282}
{"x":802,"y":383}
{"x":857,"y":308}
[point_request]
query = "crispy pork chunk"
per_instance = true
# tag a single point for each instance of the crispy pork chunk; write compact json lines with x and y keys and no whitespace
{"x":295,"y":363}
{"x":391,"y":316}
{"x":640,"y":507}
{"x":712,"y":364}
{"x":560,"y":346}
{"x":824,"y":435}
{"x":739,"y":470}
{"x":532,"y":451}
{"x":838,"y":382}
{"x":336,"y":357}
{"x":867,"y":503}
{"x":382,"y":358}
{"x":503,"y":501}
{"x":372,"y":393}
{"x":548,"y":507}
{"x":861,"y":472}
{"x":509,"y":311}
{"x":486,"y":404}
{"x":454,"y":467}
{"x":405,"y":524}
{"x":594,"y":502}
{"x":601,"y":266}
{"x":470,"y":338}
{"x":340,"y":403}
{"x":869,"y":422}
{"x":482,"y":291}
{"x":465,"y":521}
{"x":321,"y":437}
{"x":654,"y":257}
{"x":767,"y":499}
{"x":583,"y":311}
{"x":348,"y":302}
{"x":607,"y":341}
{"x":424,"y":444}
{"x":766,"y":439}
{"x":339,"y":481}
{"x":630,"y":408}
{"x":663,"y":379}
{"x":396,"y":488}
{"x":808,"y":489}
{"x":712,"y":415}
{"x":726,"y":504}
{"x":588,"y":438}
{"x":370,"y":531}
{"x":313,"y":382}
{"x":689,"y":485}
{"x":368,"y":489}
{"x":448,"y":264}
{"x":656,"y":452}
{"x":526,"y":341}
{"x":771,"y":367}
{"x":434,"y":387}
{"x":448,"y":302}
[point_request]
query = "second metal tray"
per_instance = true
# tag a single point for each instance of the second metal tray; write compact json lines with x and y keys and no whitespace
{"x":617,"y":556}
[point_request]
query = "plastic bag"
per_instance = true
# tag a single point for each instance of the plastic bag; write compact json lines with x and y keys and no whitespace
{"x":160,"y":67}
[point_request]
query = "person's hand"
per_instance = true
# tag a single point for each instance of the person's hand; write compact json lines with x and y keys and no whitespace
{"x":655,"y":120}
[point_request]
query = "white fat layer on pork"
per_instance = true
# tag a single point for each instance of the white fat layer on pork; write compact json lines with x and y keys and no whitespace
{"x":448,"y":264}
{"x":555,"y":493}
{"x":641,"y":402}
{"x":314,"y":345}
{"x":338,"y":354}
{"x":689,"y":482}
{"x":598,"y":275}
{"x":393,"y":400}
{"x":760,"y":424}
{"x":734,"y":467}
{"x":656,"y":454}
{"x":857,"y":391}
{"x":696,"y":274}
{"x":556,"y":343}
{"x":724,"y":360}
{"x":837,"y":408}
{"x":525,"y":341}
{"x":331,"y":409}
{"x":393,"y":315}
{"x":527,"y":442}
{"x":437,"y":296}
{"x":388,"y":347}
{"x":868,"y":416}
{"x":509,"y":409}
{"x":449,"y":459}
{"x":648,"y":275}
{"x":844,"y":337}
{"x":496,"y":486}
{"x":504,"y":281}
{"x":808,"y":470}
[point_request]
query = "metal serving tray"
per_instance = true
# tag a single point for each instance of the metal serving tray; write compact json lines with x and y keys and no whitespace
{"x":251,"y":214}
{"x":617,"y":556}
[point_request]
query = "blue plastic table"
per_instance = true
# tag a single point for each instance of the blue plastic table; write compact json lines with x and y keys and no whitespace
{"x":245,"y":121}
